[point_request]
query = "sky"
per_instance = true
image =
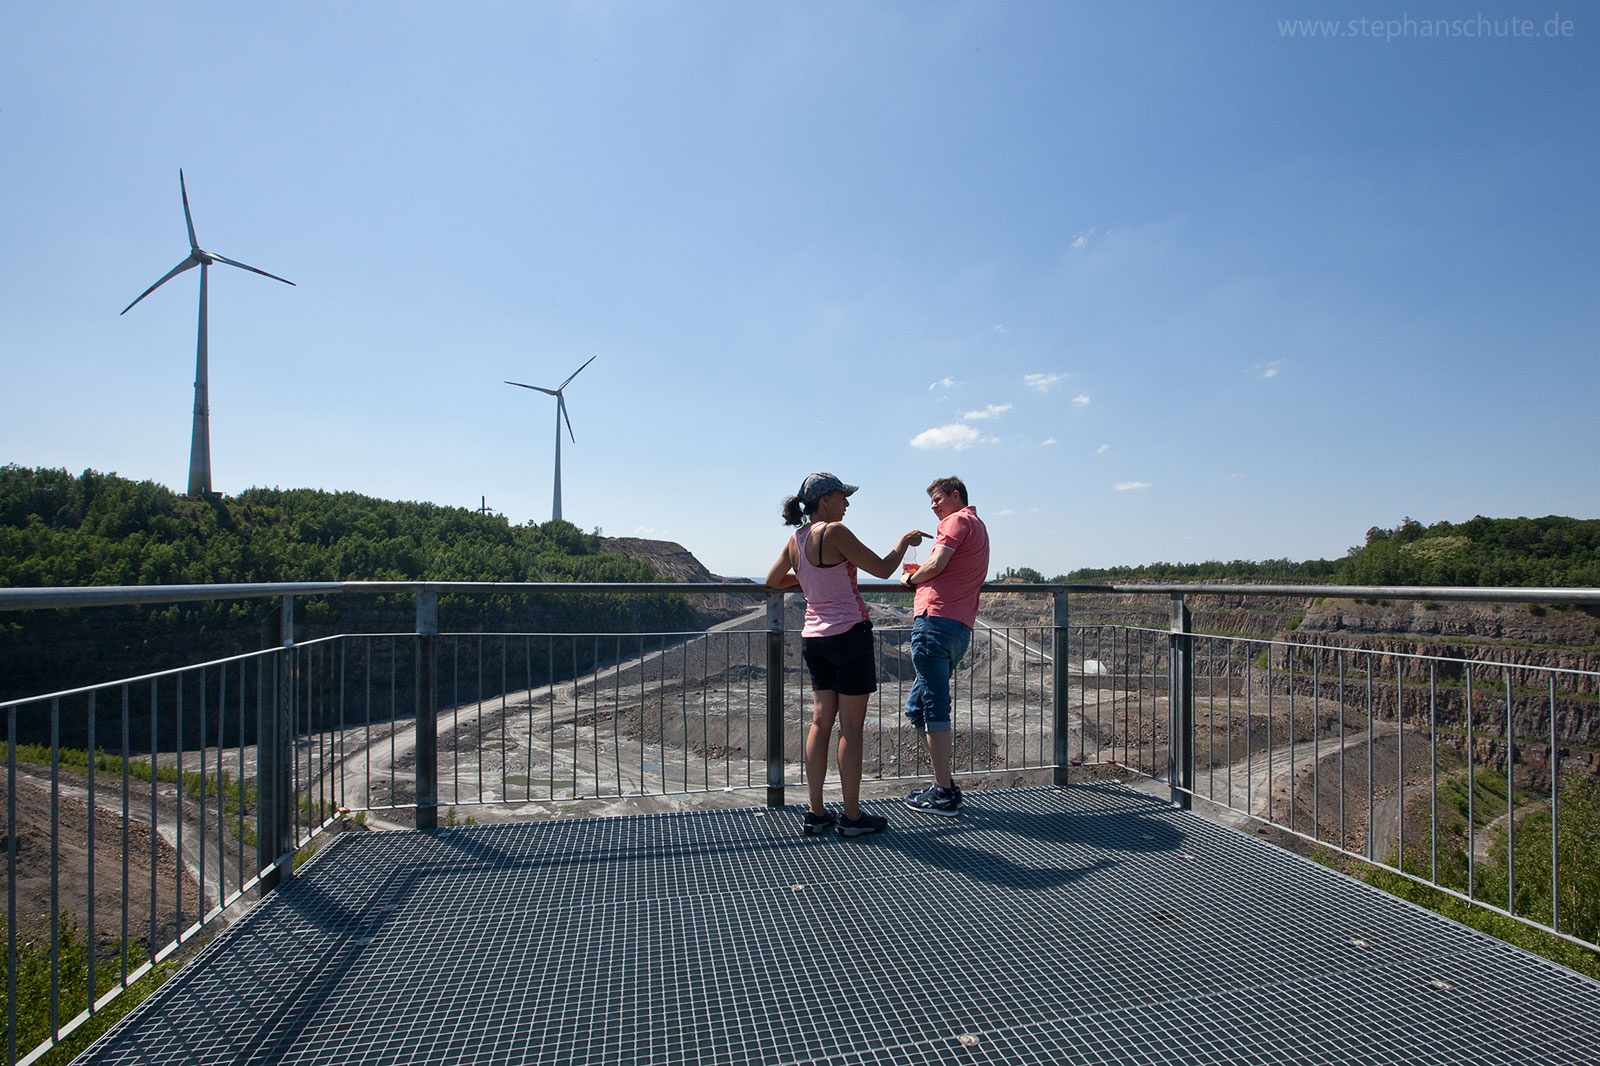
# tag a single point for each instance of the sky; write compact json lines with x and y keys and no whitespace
{"x":1162,"y":282}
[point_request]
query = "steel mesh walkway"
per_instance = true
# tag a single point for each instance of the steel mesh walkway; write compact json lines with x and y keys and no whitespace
{"x":1089,"y":925}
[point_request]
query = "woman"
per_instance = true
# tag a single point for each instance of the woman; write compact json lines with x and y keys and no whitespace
{"x":822,"y":558}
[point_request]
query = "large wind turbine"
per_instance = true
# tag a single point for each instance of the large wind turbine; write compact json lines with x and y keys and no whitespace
{"x":200,"y":441}
{"x":561,"y":414}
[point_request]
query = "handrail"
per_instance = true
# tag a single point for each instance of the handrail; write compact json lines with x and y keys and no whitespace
{"x":22,"y":599}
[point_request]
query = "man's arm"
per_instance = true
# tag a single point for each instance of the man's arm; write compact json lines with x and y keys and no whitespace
{"x":938,"y":559}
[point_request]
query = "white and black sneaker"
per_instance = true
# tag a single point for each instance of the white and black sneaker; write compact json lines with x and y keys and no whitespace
{"x":935,"y":800}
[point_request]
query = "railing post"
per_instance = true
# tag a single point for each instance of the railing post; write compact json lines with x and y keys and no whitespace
{"x":274,"y":750}
{"x":427,"y":724}
{"x":1180,"y":704}
{"x":775,"y":700}
{"x":1060,"y":657}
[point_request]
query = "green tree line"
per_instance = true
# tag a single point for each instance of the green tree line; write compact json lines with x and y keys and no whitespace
{"x":1550,"y":552}
{"x":59,"y":530}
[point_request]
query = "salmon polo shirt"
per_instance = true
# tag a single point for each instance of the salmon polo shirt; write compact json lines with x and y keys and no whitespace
{"x":953,"y":594}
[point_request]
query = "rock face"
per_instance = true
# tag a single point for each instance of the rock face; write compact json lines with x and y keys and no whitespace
{"x":674,"y":562}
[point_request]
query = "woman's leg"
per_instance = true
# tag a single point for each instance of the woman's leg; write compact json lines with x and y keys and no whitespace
{"x":852,"y":722}
{"x":825,"y":707}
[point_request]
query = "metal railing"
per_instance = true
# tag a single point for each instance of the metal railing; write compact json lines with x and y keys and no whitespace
{"x":204,"y":783}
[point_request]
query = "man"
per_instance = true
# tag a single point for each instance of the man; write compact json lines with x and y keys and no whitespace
{"x":946,"y":589}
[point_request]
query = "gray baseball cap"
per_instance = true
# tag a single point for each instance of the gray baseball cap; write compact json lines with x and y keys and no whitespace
{"x":817,"y":486}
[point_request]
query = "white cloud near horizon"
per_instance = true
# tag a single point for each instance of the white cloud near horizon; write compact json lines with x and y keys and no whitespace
{"x":1049,"y":440}
{"x":943,"y":383}
{"x":992,"y":411}
{"x":1082,"y":239}
{"x":955,"y":436}
{"x":1267,"y":370}
{"x":1081,"y":400}
{"x":1130,"y":486}
{"x":1041,"y":382}
{"x":1102,"y":449}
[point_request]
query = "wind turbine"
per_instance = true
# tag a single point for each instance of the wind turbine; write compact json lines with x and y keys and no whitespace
{"x":561,"y":414}
{"x":200,"y":441}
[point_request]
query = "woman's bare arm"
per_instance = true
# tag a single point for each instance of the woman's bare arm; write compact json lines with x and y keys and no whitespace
{"x":848,"y":545}
{"x":782,"y":575}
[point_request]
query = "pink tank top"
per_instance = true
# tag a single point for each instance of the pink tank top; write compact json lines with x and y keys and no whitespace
{"x":833,"y":603}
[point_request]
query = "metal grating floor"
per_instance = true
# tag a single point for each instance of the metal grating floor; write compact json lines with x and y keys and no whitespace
{"x":1088,"y":925}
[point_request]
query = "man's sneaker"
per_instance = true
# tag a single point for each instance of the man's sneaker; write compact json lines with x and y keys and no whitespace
{"x":866,"y":823}
{"x":936,"y":800}
{"x":819,"y":823}
{"x":916,"y":793}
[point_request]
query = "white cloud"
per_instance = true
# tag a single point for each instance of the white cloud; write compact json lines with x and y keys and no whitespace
{"x":1102,"y":449}
{"x":1007,"y":511}
{"x":649,"y":533}
{"x":1130,"y":486}
{"x":1267,"y":370}
{"x":992,"y":411}
{"x":956,"y":436}
{"x":1081,"y":400}
{"x":1082,"y":239}
{"x":943,"y":383}
{"x":1041,"y":382}
{"x":1049,"y":440}
{"x":1001,"y":328}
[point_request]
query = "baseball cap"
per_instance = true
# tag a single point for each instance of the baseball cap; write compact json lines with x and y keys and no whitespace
{"x":817,"y":486}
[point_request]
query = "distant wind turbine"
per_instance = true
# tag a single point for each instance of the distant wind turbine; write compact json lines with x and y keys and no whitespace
{"x":561,"y":415}
{"x":200,"y":441}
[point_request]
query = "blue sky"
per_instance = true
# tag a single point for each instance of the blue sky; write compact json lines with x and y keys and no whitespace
{"x":1161,"y":281}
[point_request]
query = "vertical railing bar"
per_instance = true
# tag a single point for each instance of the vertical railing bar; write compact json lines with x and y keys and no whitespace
{"x":550,"y":701}
{"x":455,"y":722}
{"x":200,"y":913}
{"x":1511,"y":802}
{"x":243,"y":698}
{"x":1344,"y":832}
{"x":505,"y":717}
{"x":683,"y":709}
{"x":1272,"y":817}
{"x":455,"y":739}
{"x":1400,"y":760}
{"x":89,"y":842}
{"x":1472,"y":789}
{"x":1371,"y":844}
{"x":11,"y":884}
{"x":1230,"y":679}
{"x":177,"y":818}
{"x":1433,"y":772}
{"x":1211,"y":720}
{"x":55,"y":869}
{"x":1556,"y":852}
{"x":1249,"y":730}
{"x":1293,"y":654}
{"x":1316,"y":742}
{"x":341,"y":752}
{"x":394,"y":716}
{"x":527,"y":660}
{"x":222,"y":814}
{"x":155,"y":866}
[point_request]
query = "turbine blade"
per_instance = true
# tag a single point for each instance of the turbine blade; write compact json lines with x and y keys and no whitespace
{"x":187,"y":264}
{"x":561,"y":403}
{"x":535,"y":388}
{"x":575,"y":373}
{"x":194,"y":245}
{"x":246,"y":266}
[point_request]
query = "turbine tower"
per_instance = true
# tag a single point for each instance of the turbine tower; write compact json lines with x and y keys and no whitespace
{"x":561,"y":414}
{"x":200,"y":441}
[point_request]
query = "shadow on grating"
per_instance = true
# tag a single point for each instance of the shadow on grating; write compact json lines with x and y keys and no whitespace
{"x":1090,"y":925}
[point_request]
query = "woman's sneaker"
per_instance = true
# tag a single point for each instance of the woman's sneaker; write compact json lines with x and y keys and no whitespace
{"x":936,"y":800}
{"x":819,"y":823}
{"x":866,"y":823}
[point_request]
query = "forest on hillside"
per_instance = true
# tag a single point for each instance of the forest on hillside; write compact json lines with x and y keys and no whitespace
{"x":1550,"y":552}
{"x":57,"y":529}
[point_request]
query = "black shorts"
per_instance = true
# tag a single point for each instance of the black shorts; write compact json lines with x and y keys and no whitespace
{"x":843,"y":663}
